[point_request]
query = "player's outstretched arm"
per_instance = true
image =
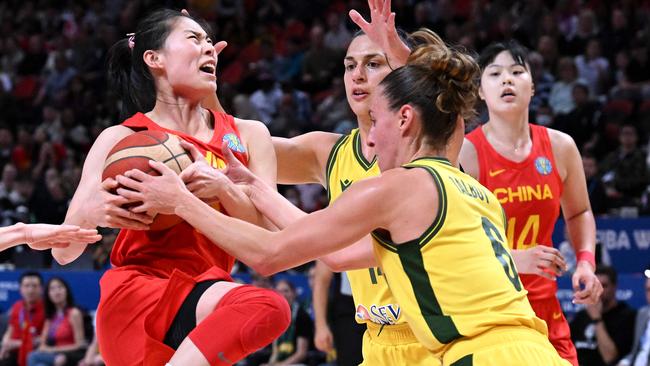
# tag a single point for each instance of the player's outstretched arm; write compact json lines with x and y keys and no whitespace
{"x":44,"y":236}
{"x":382,"y":31}
{"x":579,"y":218}
{"x":92,"y":204}
{"x":282,"y":213}
{"x":353,"y":215}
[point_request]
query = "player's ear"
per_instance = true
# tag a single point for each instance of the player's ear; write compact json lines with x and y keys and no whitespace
{"x":152,"y":59}
{"x":480,"y":93}
{"x":406,"y":115}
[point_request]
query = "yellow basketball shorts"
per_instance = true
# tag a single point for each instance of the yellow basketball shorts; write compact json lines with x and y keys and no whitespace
{"x":394,"y":345}
{"x":504,"y":346}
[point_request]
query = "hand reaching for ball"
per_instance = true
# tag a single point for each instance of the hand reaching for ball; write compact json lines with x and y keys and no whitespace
{"x":158,"y":194}
{"x":204,"y":181}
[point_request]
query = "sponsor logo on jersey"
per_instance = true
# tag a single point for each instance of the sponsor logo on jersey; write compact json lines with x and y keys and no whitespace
{"x":234,"y":143}
{"x":380,"y":314}
{"x":524,"y":193}
{"x":494,"y":173}
{"x":543,"y":165}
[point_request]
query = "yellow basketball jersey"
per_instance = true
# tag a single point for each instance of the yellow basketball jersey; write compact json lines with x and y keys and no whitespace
{"x":457,"y":279}
{"x":372,"y":298}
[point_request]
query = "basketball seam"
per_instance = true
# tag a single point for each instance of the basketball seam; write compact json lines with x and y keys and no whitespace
{"x":170,"y":151}
{"x":128,"y":157}
{"x":176,"y":156}
{"x":134,"y":146}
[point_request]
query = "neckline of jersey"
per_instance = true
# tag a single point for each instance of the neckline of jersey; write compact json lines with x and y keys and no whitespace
{"x":148,"y":120}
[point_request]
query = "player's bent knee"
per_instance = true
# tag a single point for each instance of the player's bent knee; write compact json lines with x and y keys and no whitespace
{"x":248,"y":317}
{"x":271,"y":319}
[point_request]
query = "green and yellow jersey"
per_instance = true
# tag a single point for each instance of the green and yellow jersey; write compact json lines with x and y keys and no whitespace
{"x":457,"y":279}
{"x":372,"y":298}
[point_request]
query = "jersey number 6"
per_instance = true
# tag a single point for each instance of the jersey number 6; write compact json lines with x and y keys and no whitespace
{"x":501,"y":253}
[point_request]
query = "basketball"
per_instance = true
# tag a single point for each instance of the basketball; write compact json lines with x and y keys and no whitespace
{"x":135,"y":151}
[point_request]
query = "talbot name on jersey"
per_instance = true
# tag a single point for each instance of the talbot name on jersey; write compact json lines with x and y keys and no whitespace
{"x":470,"y":190}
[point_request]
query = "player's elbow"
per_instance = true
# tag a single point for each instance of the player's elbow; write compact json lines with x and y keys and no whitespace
{"x":62,"y":257}
{"x":62,"y":260}
{"x":265,"y":268}
{"x":267,"y":261}
{"x":333,"y":264}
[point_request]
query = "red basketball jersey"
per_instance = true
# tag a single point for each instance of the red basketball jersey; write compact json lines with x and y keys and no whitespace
{"x":181,"y":246}
{"x":529,"y":192}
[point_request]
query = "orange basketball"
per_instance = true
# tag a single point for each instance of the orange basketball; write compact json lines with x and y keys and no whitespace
{"x":135,"y":151}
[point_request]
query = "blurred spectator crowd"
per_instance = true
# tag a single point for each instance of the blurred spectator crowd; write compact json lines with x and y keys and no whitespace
{"x":283,"y":66}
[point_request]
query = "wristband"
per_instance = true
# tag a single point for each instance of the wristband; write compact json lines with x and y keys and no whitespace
{"x":588,"y":256}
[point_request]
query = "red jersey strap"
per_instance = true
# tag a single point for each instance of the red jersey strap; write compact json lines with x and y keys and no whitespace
{"x":477,"y":138}
{"x":225,"y":129}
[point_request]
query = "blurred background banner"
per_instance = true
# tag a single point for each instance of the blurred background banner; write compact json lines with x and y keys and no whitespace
{"x":623,"y":243}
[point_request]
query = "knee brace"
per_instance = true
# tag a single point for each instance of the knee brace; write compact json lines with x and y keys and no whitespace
{"x":246,"y":319}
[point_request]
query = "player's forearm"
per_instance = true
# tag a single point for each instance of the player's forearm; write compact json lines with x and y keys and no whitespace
{"x":79,"y":213}
{"x":357,"y":256}
{"x":274,"y":206}
{"x":238,"y":204}
{"x":12,"y":235}
{"x":67,"y":255}
{"x":582,"y":231}
{"x":320,"y":294}
{"x":251,"y":244}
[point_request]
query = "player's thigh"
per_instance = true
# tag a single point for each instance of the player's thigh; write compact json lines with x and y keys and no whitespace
{"x":211,"y":297}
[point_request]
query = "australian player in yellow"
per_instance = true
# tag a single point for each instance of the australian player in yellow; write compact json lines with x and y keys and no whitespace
{"x":336,"y":162}
{"x":457,"y":279}
{"x":388,"y":339}
{"x":466,"y":304}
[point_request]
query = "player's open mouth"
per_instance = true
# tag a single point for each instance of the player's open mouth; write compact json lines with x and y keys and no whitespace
{"x":508,"y":93}
{"x":359,"y":94}
{"x":209,"y":67}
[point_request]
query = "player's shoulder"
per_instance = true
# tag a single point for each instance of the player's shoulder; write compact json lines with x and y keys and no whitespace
{"x":468,"y":158}
{"x":112,"y":134}
{"x":560,"y":141}
{"x":251,"y":125}
{"x":116,"y":130}
{"x":321,"y":137}
{"x":468,"y":150}
{"x":392,"y":182}
{"x":252,"y":131}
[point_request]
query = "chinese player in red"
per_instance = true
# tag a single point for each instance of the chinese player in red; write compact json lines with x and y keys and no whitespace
{"x":169,"y":297}
{"x":533,"y":171}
